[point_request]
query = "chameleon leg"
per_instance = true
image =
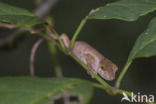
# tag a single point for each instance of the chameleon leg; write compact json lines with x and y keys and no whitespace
{"x":90,"y":71}
{"x":90,"y":61}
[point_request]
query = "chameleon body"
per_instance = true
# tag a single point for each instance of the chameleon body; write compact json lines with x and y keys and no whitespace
{"x":92,"y":58}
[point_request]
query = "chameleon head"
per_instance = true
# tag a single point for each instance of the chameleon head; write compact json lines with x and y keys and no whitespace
{"x":107,"y":69}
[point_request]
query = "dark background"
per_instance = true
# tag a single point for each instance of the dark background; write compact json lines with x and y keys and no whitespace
{"x":113,"y":38}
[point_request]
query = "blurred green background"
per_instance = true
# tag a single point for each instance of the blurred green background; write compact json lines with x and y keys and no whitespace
{"x":113,"y":38}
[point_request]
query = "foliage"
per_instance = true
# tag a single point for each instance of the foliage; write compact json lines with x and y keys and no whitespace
{"x":17,"y":16}
{"x":36,"y":90}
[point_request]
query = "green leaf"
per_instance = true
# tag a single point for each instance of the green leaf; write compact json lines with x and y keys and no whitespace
{"x":28,"y":90}
{"x":79,"y":92}
{"x":17,"y":16}
{"x":145,"y":45}
{"x":128,"y":10}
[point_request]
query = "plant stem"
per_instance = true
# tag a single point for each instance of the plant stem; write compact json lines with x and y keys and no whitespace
{"x":32,"y":55}
{"x":105,"y":85}
{"x":117,"y":85}
{"x":53,"y":51}
{"x":82,"y":23}
{"x":117,"y":91}
{"x":49,"y":27}
{"x":45,"y":37}
{"x":57,"y":67}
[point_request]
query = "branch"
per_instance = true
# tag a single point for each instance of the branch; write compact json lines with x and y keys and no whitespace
{"x":104,"y":84}
{"x":124,"y":70}
{"x":82,"y":23}
{"x":79,"y":28}
{"x":119,"y":91}
{"x":57,"y":67}
{"x":32,"y":56}
{"x":15,"y":34}
{"x":11,"y":37}
{"x":41,"y":12}
{"x":38,"y":3}
{"x":52,"y":30}
{"x":44,"y":9}
{"x":9,"y":26}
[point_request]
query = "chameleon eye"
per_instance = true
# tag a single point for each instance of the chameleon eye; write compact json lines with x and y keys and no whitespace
{"x":102,"y":68}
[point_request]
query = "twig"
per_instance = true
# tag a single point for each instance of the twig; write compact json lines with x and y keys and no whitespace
{"x":79,"y":28}
{"x":38,"y":3}
{"x":9,"y":26}
{"x":44,"y":9}
{"x":118,"y":82}
{"x":57,"y":67}
{"x":118,"y":91}
{"x":32,"y":56}
{"x":52,"y":30}
{"x":15,"y":34}
{"x":78,"y":31}
{"x":41,"y":12}
{"x":105,"y":85}
{"x":11,"y":37}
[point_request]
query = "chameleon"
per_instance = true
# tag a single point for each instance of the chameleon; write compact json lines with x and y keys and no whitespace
{"x":94,"y":60}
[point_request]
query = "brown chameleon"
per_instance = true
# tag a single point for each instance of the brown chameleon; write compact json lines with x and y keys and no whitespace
{"x":94,"y":60}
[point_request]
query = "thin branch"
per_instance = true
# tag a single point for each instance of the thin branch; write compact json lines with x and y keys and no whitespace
{"x":79,"y":28}
{"x":119,"y":91}
{"x":32,"y":56}
{"x":57,"y":67}
{"x":118,"y":82}
{"x":11,"y":37}
{"x":52,"y":30}
{"x":82,"y":23}
{"x":44,"y":9}
{"x":9,"y":26}
{"x":41,"y":12}
{"x":105,"y":85}
{"x":38,"y":3}
{"x":15,"y":34}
